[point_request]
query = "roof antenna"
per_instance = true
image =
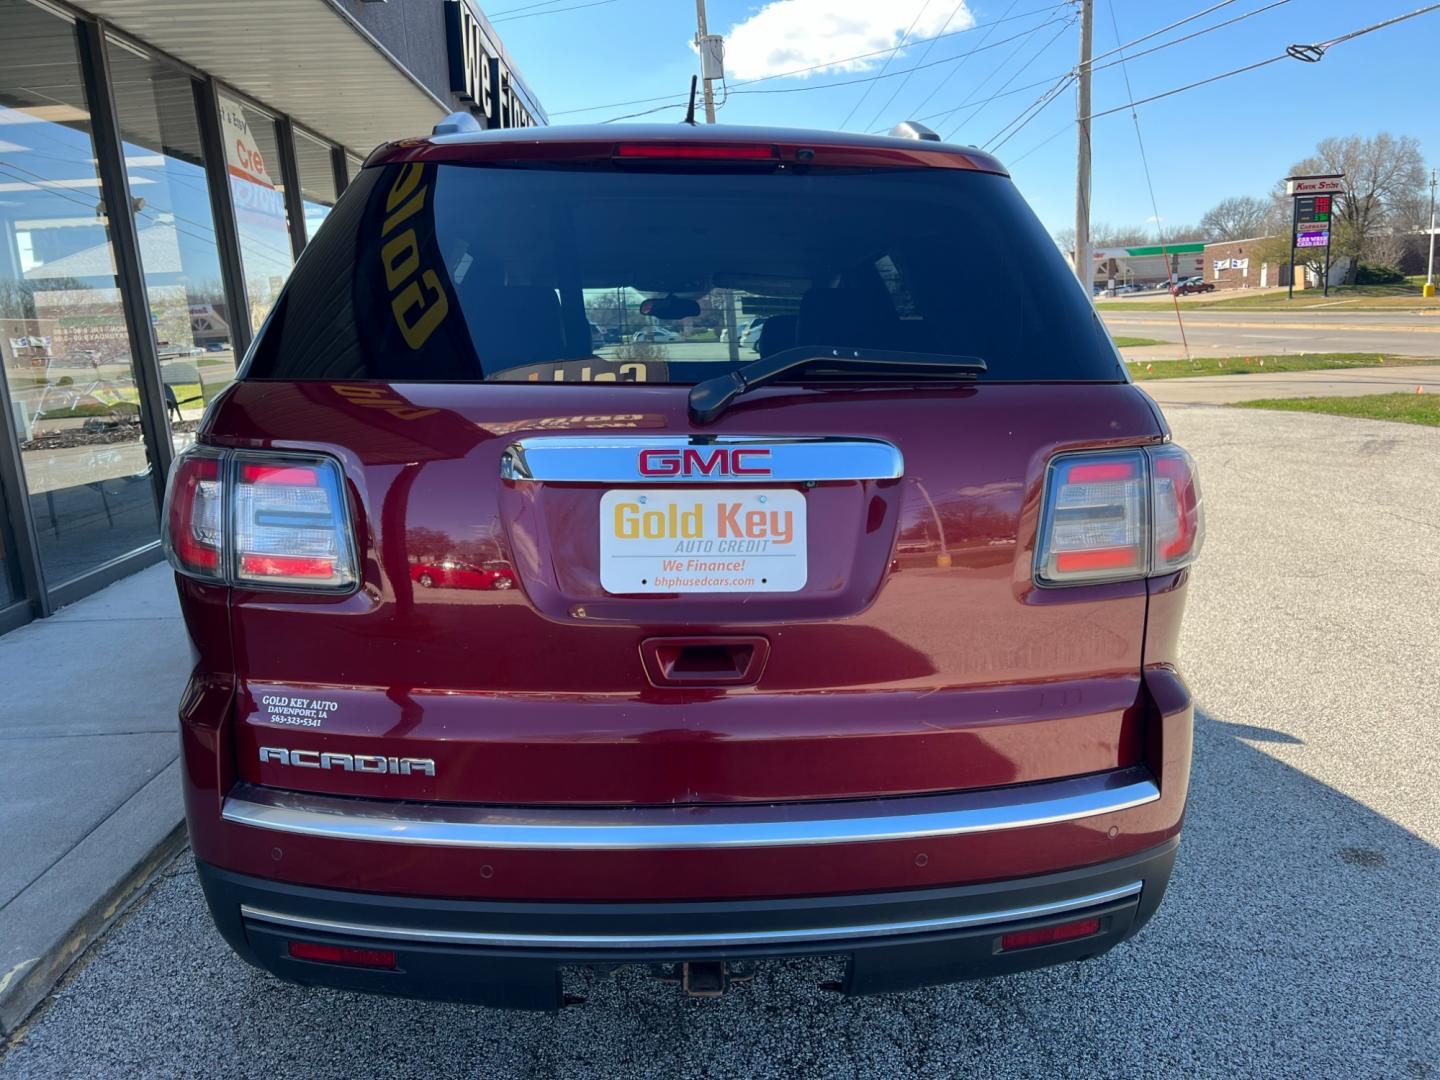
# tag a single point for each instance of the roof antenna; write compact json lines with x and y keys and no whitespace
{"x":690,"y":112}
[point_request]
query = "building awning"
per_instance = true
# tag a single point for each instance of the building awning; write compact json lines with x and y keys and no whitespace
{"x":306,"y":58}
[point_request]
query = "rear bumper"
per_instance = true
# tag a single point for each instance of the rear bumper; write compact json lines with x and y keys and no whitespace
{"x":510,"y":953}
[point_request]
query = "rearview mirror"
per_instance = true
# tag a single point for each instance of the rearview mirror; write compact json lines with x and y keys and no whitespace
{"x":669,"y":308}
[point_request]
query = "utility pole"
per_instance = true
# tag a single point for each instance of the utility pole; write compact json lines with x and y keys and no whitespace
{"x":712,"y":61}
{"x":1083,"y":269}
{"x":702,"y":35}
{"x":1430,"y":265}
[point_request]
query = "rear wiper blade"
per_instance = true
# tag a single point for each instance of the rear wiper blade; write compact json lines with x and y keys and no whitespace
{"x":710,"y":398}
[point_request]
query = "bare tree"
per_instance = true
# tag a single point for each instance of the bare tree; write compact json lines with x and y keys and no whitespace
{"x":1382,"y":175}
{"x":1240,"y":217}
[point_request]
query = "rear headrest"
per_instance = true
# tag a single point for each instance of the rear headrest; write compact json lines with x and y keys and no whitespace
{"x":514,"y":324}
{"x":776,"y":333}
{"x":858,"y":317}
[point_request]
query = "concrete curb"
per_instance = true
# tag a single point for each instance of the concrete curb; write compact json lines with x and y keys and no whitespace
{"x":71,"y":905}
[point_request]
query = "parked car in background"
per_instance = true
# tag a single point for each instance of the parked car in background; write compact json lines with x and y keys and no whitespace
{"x":1192,"y":285}
{"x":752,"y":332}
{"x":656,"y":334}
{"x":710,"y":718}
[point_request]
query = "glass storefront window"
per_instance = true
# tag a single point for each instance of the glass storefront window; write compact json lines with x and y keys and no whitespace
{"x":317,"y":180}
{"x":160,"y":129}
{"x":63,"y":337}
{"x":353,"y":165}
{"x":252,"y":161}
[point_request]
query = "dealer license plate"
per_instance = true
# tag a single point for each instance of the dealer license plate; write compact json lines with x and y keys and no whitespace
{"x":711,"y":541}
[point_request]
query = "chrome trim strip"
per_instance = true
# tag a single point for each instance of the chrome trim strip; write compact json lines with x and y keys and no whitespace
{"x":689,"y":827}
{"x":615,"y":459}
{"x":687,"y":941}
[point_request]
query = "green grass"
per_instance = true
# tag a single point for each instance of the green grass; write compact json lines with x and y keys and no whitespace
{"x":1401,"y":408}
{"x":1145,"y":370}
{"x":1137,"y":342}
{"x":1403,"y":297}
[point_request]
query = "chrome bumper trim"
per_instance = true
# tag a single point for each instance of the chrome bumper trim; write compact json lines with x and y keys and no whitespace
{"x":690,"y":827}
{"x":695,"y":940}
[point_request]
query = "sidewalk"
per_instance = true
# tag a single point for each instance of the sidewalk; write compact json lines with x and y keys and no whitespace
{"x":89,"y":776}
{"x":1334,"y":382}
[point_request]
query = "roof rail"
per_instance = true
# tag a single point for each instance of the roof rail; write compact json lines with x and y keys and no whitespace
{"x":457,"y":123}
{"x":913,"y":129}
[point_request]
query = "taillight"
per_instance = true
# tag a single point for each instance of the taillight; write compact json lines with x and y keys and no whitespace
{"x":1179,"y":518}
{"x":260,"y":520}
{"x":194,"y":513}
{"x":1119,"y":515}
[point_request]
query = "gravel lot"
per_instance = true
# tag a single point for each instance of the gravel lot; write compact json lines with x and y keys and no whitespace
{"x":1298,"y":937}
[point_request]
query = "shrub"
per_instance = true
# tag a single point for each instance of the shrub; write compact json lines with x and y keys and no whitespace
{"x":1370,"y":274}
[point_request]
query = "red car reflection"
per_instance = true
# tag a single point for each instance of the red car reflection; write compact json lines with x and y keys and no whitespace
{"x":452,"y":574}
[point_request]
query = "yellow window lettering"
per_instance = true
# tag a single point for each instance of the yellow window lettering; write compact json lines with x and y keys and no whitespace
{"x":401,"y":256}
{"x":431,"y":314}
{"x":405,"y":183}
{"x":404,"y":212}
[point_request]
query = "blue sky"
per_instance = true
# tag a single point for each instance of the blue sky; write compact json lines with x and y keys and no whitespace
{"x":1234,"y":137}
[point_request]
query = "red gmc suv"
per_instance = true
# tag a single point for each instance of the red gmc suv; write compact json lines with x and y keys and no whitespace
{"x":865,"y":647}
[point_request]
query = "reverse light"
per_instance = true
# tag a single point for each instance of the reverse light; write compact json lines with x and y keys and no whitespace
{"x":1119,"y":515}
{"x":342,"y":954}
{"x":260,"y":520}
{"x":1049,"y":935}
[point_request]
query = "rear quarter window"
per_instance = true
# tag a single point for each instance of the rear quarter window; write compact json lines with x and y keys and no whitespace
{"x":453,"y":272}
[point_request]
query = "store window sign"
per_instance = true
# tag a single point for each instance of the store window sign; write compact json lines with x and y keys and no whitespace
{"x":1231,"y":264}
{"x":257,"y":201}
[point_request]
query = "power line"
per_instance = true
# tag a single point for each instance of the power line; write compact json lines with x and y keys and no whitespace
{"x":1013,"y":76}
{"x":885,"y":66}
{"x":930,"y":46}
{"x":524,"y":7}
{"x":552,"y":11}
{"x":1028,"y":114}
{"x":816,"y":67}
{"x":1149,"y":185}
{"x":1134,"y":56}
{"x":1322,"y":46}
{"x":951,"y":73}
{"x":875,"y":78}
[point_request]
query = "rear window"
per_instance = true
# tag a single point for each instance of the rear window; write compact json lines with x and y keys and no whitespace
{"x":462,"y":273}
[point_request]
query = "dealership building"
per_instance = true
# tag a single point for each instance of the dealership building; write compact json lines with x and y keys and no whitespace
{"x":162,"y":165}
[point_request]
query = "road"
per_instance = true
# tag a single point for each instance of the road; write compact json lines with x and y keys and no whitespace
{"x":1253,"y":333}
{"x":1297,"y":940}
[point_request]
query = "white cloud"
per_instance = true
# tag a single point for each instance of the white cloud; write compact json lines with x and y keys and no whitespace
{"x":789,"y":34}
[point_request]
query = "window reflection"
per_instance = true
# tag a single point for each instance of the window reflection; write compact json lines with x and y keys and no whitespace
{"x":161,"y":132}
{"x":252,"y":161}
{"x":63,"y":338}
{"x":317,"y":180}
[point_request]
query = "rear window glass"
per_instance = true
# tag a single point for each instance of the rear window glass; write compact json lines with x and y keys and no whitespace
{"x":461,"y":273}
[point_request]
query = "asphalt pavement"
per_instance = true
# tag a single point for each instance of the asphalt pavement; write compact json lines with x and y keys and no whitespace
{"x":1237,"y":332}
{"x":1297,"y":939}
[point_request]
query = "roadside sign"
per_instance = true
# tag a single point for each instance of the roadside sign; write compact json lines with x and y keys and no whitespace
{"x":1311,"y":199}
{"x":1315,"y":185}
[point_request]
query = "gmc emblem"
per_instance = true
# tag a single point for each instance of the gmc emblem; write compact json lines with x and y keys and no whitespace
{"x":706,"y":461}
